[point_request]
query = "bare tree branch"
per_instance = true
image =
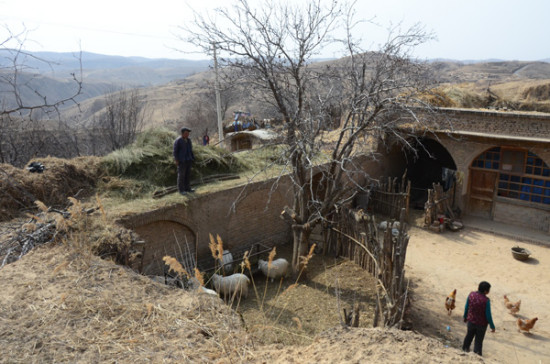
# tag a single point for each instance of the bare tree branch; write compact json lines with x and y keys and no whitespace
{"x":367,"y":94}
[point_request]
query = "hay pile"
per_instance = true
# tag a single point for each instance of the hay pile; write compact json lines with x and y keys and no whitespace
{"x":62,"y":304}
{"x":19,"y":188}
{"x":149,"y":159}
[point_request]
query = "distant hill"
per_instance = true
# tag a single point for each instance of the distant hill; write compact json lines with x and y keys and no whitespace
{"x":49,"y":74}
{"x":125,"y":71}
{"x":177,"y":91}
{"x":501,"y":71}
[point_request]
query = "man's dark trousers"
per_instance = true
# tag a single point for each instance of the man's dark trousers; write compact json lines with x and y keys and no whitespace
{"x":184,"y":176}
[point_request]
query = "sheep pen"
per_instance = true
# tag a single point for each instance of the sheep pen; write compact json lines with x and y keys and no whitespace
{"x":288,"y":313}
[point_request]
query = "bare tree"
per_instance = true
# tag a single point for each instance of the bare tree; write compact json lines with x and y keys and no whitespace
{"x":123,"y":118}
{"x":201,"y":101}
{"x":28,"y":115}
{"x":368,"y":93}
{"x":201,"y":112}
{"x":15,"y":79}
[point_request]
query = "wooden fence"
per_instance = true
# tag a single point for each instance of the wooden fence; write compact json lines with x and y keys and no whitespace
{"x":389,"y":197}
{"x":356,"y":236}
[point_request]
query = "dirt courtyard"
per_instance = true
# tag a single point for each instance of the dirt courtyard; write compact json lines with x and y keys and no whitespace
{"x":439,"y":263}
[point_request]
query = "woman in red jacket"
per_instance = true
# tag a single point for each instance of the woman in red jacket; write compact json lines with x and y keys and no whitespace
{"x":477,"y":314}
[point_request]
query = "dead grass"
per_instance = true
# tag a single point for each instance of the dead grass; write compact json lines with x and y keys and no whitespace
{"x":522,"y":95}
{"x":19,"y":188}
{"x":77,"y":308}
{"x":73,"y":306}
{"x":294,"y":313}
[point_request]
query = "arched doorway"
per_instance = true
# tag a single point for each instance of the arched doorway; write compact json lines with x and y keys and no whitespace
{"x":507,"y":174}
{"x":427,"y":163}
{"x":164,"y":237}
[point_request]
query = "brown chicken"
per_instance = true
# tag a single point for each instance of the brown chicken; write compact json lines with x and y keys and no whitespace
{"x":450,"y":302}
{"x":526,"y":325}
{"x":513,"y":307}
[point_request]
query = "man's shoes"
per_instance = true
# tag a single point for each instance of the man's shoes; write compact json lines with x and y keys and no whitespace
{"x":190,"y":190}
{"x":183,"y":193}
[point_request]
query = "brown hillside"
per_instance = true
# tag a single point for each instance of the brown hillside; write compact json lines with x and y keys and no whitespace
{"x":191,"y":100}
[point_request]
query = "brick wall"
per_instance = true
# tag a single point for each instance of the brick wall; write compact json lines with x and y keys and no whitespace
{"x":162,"y":238}
{"x":493,"y":122}
{"x":240,"y":216}
{"x":516,"y":214}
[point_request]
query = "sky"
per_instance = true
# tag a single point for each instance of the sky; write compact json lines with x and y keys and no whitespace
{"x":465,"y":30}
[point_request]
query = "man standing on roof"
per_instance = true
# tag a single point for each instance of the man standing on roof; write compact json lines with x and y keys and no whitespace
{"x":184,"y":157}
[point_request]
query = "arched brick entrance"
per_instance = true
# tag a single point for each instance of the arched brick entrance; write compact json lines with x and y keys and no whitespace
{"x":164,"y":237}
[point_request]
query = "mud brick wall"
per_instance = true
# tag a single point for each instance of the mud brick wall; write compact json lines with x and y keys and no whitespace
{"x":241,"y":216}
{"x":516,"y":214}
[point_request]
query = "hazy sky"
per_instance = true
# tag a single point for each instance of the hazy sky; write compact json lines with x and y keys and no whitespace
{"x":467,"y":29}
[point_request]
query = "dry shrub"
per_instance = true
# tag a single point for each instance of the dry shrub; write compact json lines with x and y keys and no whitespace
{"x":438,"y":98}
{"x":62,"y":178}
{"x":216,"y":247}
{"x":537,"y":93}
{"x":535,"y":106}
{"x":126,"y":189}
{"x":175,"y":266}
{"x":115,"y":243}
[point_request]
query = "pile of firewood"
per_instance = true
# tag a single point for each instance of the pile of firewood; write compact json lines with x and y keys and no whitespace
{"x":21,"y":238}
{"x":438,"y":213}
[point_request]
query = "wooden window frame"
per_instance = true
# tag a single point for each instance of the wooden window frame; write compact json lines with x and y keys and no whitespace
{"x":523,"y":187}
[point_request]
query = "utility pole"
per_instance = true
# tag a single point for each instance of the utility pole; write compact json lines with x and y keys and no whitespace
{"x":218,"y":102}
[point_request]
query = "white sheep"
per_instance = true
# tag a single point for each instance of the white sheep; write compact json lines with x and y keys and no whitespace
{"x":278,"y":268}
{"x":194,"y":284}
{"x":235,"y":284}
{"x":209,"y":291}
{"x":384,"y":225}
{"x":227,"y":261}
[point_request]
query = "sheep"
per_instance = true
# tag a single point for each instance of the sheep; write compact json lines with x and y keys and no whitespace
{"x":208,"y":291}
{"x":278,"y":268}
{"x":235,"y":284}
{"x":227,"y":261}
{"x":194,"y":284}
{"x":384,"y":225}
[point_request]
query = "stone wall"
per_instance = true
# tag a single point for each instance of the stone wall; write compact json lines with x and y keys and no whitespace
{"x":493,"y":122}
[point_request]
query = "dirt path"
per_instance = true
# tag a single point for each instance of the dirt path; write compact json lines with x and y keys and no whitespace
{"x":439,"y":263}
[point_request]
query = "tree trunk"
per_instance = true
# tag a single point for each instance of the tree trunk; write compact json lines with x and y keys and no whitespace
{"x":300,"y":236}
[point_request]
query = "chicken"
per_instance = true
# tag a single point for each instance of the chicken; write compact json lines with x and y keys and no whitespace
{"x":450,"y":302}
{"x":526,"y":325}
{"x":513,"y":307}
